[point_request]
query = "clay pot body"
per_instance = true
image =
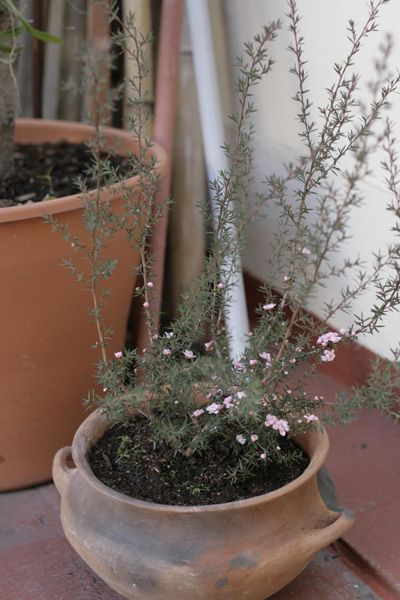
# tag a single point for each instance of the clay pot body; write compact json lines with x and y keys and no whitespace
{"x":46,"y":359}
{"x":245,"y":549}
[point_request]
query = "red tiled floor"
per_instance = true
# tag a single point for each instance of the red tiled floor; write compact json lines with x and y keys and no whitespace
{"x":364,"y":462}
{"x":37,"y":561}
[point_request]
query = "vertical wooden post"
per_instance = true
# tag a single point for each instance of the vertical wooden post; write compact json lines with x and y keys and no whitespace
{"x":37,"y":60}
{"x":164,"y":126}
{"x":98,"y":36}
{"x":186,"y":242}
{"x":142,"y":11}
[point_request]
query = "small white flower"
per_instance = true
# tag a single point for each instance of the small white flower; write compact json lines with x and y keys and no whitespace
{"x":214,"y":408}
{"x":269,"y":306}
{"x":198,"y":413}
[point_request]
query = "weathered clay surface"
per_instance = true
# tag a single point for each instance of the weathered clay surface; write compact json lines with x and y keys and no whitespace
{"x":46,"y":363}
{"x":245,"y":549}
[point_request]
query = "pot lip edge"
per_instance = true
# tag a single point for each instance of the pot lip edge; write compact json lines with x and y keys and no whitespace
{"x":86,"y":472}
{"x":74,"y":201}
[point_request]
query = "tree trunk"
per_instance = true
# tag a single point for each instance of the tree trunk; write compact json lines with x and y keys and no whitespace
{"x":8,"y":101}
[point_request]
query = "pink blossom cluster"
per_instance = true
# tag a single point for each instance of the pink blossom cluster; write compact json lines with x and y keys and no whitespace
{"x":331,"y":336}
{"x":214,"y":408}
{"x":328,"y":355}
{"x":280,"y":425}
{"x":267,"y":357}
{"x":311,"y":418}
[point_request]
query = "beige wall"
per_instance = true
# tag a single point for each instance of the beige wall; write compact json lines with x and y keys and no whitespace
{"x":324,"y":28}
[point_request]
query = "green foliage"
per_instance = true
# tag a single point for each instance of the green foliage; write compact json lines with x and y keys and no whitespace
{"x":13,"y":33}
{"x":197,"y":397}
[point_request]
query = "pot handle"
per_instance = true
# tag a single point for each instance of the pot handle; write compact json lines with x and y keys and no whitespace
{"x":62,"y":473}
{"x":325,"y":536}
{"x":345,"y":518}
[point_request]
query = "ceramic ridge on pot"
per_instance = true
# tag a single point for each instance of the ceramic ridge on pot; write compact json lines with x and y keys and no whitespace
{"x":47,"y":361}
{"x":39,"y":131}
{"x":243,"y":549}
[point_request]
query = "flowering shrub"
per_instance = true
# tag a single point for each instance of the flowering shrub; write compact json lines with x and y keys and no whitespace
{"x":196,"y":396}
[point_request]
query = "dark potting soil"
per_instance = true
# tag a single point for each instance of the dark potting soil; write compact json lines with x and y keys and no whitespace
{"x":49,"y":170}
{"x":163,"y":476}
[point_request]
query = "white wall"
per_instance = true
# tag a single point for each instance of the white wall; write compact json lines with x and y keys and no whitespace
{"x":324,"y":26}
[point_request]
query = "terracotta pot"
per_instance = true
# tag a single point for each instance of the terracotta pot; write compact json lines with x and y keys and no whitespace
{"x":46,"y":360}
{"x":245,"y":549}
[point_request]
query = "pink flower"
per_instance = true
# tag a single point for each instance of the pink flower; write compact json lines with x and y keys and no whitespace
{"x":254,"y":437}
{"x":118,"y":354}
{"x":241,"y":395}
{"x":166,"y":351}
{"x":286,"y":278}
{"x":188,"y":354}
{"x":269,"y":306}
{"x":267,"y":357}
{"x":155,"y":336}
{"x":263,"y":456}
{"x":238,"y":365}
{"x":150,"y":284}
{"x":253,"y":361}
{"x":328,"y":356}
{"x":198,"y":413}
{"x":208,"y":345}
{"x":280,"y":425}
{"x":305,"y":251}
{"x":331,"y":336}
{"x":241,"y":439}
{"x":311,"y":418}
{"x":228,"y":401}
{"x":220,"y":286}
{"x":270,"y":420}
{"x":214,"y":408}
{"x":146,"y":304}
{"x":278,"y":447}
{"x":342,"y":331}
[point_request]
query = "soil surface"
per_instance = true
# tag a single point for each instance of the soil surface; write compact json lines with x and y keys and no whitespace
{"x":163,"y":476}
{"x":47,"y":170}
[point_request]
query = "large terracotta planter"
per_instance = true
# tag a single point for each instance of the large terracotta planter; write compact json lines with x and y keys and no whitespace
{"x":46,"y":360}
{"x":245,"y":549}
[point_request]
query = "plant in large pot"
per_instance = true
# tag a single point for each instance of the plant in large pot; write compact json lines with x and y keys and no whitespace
{"x":47,"y":360}
{"x":200,"y":474}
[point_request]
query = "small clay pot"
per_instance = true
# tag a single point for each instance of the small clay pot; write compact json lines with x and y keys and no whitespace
{"x":46,"y":356}
{"x":245,"y":549}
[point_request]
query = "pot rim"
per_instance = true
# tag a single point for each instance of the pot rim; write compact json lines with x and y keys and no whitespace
{"x":316,"y":441}
{"x":74,"y":201}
